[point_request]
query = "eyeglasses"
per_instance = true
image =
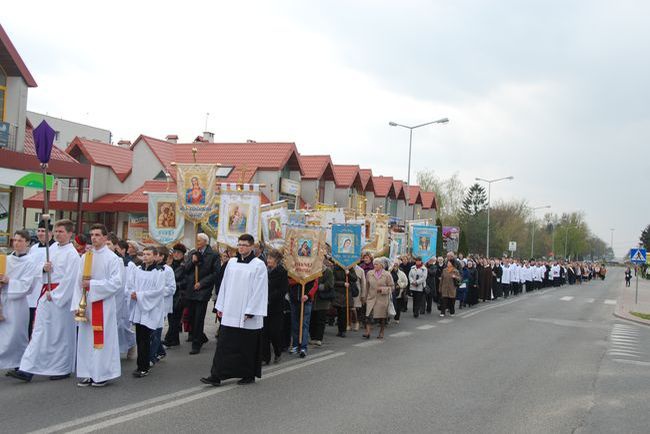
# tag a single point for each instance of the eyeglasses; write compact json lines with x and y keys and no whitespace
{"x":244,"y":245}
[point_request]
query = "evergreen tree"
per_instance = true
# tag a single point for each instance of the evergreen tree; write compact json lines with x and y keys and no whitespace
{"x":439,"y":251}
{"x":462,"y":243}
{"x":475,"y":200}
{"x":645,"y":237}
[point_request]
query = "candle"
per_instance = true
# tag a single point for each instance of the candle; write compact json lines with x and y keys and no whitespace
{"x":3,"y":264}
{"x":88,"y":265}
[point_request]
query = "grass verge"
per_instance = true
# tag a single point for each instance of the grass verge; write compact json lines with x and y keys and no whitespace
{"x":641,"y":315}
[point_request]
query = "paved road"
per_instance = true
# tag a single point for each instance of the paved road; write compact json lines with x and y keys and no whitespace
{"x":555,"y":361}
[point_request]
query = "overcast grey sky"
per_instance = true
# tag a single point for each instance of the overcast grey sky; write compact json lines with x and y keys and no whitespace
{"x":555,"y":93}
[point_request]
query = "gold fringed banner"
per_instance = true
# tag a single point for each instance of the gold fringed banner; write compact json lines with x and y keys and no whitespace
{"x":196,"y":190}
{"x":304,"y":251}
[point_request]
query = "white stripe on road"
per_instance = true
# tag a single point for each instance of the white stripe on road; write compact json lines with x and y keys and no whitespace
{"x":609,"y":301}
{"x":167,"y":397}
{"x":621,"y":353}
{"x":369,"y":343}
{"x":632,"y":362}
{"x":425,"y":327}
{"x":590,"y":300}
{"x":494,"y":306}
{"x":400,"y":334}
{"x":445,"y":321}
{"x":567,"y":298}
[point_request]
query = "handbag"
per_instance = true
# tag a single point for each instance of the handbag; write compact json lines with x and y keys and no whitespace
{"x":391,"y":307}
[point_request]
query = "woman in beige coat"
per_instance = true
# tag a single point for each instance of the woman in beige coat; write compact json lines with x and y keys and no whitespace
{"x":379,"y":289}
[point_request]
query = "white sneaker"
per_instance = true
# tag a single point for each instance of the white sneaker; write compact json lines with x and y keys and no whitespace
{"x":318,"y":343}
{"x":293,"y":350}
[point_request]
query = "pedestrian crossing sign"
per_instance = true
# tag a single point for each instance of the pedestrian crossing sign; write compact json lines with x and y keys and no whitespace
{"x":638,"y":256}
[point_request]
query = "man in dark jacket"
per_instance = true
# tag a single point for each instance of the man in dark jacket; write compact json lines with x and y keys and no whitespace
{"x":278,"y":287}
{"x":344,"y":281}
{"x":431,"y":290}
{"x":200,"y":272}
{"x":174,"y":318}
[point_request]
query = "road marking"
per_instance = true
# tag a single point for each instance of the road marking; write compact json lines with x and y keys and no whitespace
{"x":609,"y":301}
{"x":400,"y":334}
{"x":567,"y":298}
{"x":167,"y":397}
{"x":590,"y":300}
{"x":625,"y":339}
{"x":369,"y":343}
{"x":569,"y":323}
{"x":425,"y":327}
{"x":492,"y":307}
{"x":445,"y":321}
{"x":621,"y":353}
{"x":632,"y":362}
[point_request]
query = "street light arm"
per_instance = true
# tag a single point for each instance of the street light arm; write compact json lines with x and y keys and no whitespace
{"x":490,"y":181}
{"x":439,"y":121}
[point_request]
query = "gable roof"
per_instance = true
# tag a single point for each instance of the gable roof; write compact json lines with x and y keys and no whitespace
{"x":11,"y":61}
{"x":30,"y":146}
{"x":317,"y":167}
{"x":347,"y":175}
{"x":244,"y":157}
{"x":400,"y":191}
{"x":119,"y":159}
{"x":383,"y":186}
{"x":414,"y":195}
{"x":366,"y":180}
{"x":429,"y":200}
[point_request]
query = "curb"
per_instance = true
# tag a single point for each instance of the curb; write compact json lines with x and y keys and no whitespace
{"x":633,"y":319}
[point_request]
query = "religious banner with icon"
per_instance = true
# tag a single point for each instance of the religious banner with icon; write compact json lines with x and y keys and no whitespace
{"x":166,"y":223}
{"x":239,"y":212}
{"x":211,"y":225}
{"x":274,"y":217}
{"x":377,"y":230}
{"x":450,"y":238}
{"x":196,"y":190}
{"x":401,"y":242}
{"x":346,"y":244}
{"x":424,"y":242}
{"x":304,"y":250}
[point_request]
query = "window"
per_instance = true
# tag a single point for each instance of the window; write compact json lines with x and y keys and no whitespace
{"x":3,"y":91}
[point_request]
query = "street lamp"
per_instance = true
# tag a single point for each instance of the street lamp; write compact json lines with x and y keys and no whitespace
{"x":611,"y":243}
{"x":532,"y":243}
{"x":489,"y":182}
{"x":411,"y":128}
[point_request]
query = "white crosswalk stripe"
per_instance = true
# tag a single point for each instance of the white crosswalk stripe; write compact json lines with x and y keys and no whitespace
{"x":567,"y":298}
{"x":400,"y":334}
{"x":425,"y":327}
{"x":610,"y":301}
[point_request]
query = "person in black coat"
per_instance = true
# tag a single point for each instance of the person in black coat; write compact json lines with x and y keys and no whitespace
{"x":431,"y":290}
{"x":178,"y":258}
{"x":200,"y":272}
{"x":273,"y":322}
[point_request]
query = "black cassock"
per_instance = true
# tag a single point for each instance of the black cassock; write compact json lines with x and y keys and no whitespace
{"x":238,"y":354}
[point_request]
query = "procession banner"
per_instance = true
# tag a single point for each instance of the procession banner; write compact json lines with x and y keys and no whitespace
{"x":450,"y":238}
{"x":409,"y":231}
{"x":239,"y":212}
{"x":304,"y":250}
{"x":401,"y":240}
{"x":424,"y":242}
{"x":166,"y":223}
{"x":326,"y":218}
{"x":378,"y":239}
{"x":393,"y":252}
{"x":275,"y":218}
{"x":346,"y":244}
{"x":297,"y":217}
{"x":196,"y":190}
{"x":362,"y":222}
{"x":211,"y":224}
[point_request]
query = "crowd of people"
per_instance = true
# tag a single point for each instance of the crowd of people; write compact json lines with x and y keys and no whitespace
{"x":62,"y":315}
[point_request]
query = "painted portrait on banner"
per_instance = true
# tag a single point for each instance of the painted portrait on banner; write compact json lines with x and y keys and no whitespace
{"x":424,"y":241}
{"x":346,"y":244}
{"x":239,"y":213}
{"x":304,"y":250}
{"x":450,"y":238}
{"x":196,"y":190}
{"x":165,"y":223}
{"x":274,"y":218}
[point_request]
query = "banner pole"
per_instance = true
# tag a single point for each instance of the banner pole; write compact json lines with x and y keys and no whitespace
{"x":347,"y":298}
{"x":302,"y":314}
{"x":196,"y":266}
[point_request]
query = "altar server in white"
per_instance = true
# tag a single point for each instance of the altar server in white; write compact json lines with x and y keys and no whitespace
{"x":51,"y":351}
{"x":38,"y":251}
{"x":15,"y":285}
{"x":98,"y":350}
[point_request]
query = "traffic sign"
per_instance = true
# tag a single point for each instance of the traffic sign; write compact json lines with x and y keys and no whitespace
{"x":512,"y":246}
{"x":638,"y":256}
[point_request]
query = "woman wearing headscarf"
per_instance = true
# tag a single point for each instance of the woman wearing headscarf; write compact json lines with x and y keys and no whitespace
{"x":399,"y":293}
{"x":449,"y":281}
{"x":379,"y":289}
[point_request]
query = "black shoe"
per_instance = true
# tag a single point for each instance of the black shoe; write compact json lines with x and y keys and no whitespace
{"x":276,"y":359}
{"x":189,"y":338}
{"x":139,"y":374}
{"x":59,"y":377}
{"x":171,"y":344}
{"x":99,"y":384}
{"x":85,"y":382}
{"x":211,"y":381}
{"x":204,"y":339}
{"x":195,"y":351}
{"x":246,"y":380}
{"x":20,"y":375}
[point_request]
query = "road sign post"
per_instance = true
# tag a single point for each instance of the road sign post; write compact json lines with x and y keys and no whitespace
{"x":638,"y":257}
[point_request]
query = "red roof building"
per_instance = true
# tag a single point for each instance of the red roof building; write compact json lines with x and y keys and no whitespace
{"x":318,"y":182}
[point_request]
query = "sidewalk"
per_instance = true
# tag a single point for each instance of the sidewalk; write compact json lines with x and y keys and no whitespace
{"x":625,"y":303}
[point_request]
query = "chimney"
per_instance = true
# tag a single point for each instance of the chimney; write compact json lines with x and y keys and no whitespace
{"x":208,"y":137}
{"x":124,"y":144}
{"x":172,"y":138}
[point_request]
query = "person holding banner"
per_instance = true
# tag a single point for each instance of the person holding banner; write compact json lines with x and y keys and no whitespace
{"x":98,"y":349}
{"x":17,"y":274}
{"x":379,"y":290}
{"x":345,"y":284}
{"x":278,"y":287}
{"x":38,"y":250}
{"x":242,"y":305}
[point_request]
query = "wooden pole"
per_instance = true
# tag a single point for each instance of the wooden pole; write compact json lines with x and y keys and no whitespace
{"x":196,"y":266}
{"x":46,"y":220}
{"x":347,"y":298}
{"x":302,"y":315}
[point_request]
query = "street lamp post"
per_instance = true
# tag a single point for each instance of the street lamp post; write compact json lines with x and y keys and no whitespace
{"x":611,"y":243}
{"x":532,"y":243}
{"x":411,"y":128}
{"x":489,"y":182}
